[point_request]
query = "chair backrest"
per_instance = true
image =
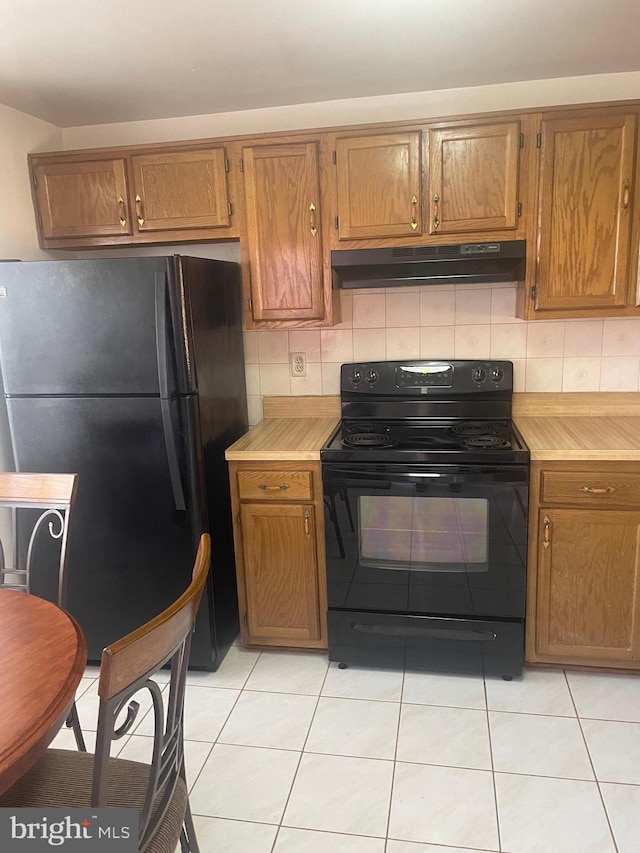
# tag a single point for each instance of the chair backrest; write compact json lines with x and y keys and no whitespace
{"x":126,"y":668}
{"x":40,"y":510}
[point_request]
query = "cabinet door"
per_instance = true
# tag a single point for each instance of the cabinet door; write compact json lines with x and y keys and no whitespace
{"x":82,"y":199}
{"x":584,"y":212}
{"x":588,"y":590}
{"x":280,"y":572}
{"x":473,"y":178}
{"x":283,"y":231}
{"x":379,"y":185}
{"x":181,"y":190}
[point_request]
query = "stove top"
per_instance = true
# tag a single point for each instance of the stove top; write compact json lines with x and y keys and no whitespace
{"x":444,"y":412}
{"x":425,"y":441}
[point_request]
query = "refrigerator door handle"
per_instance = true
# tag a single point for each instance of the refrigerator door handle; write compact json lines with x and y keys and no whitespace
{"x":162,"y":352}
{"x":165,"y":402}
{"x":172,"y":453}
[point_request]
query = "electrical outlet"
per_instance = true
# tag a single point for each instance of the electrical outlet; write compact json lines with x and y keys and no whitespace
{"x":298,"y":361}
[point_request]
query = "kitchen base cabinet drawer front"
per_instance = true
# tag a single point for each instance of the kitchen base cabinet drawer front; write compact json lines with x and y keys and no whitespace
{"x":593,"y":489}
{"x":424,"y":642}
{"x":262,"y":484}
{"x":281,"y":574}
{"x":587,"y":587}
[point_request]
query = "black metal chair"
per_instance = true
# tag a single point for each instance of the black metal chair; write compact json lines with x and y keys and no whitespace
{"x":158,"y":790}
{"x":36,"y":530}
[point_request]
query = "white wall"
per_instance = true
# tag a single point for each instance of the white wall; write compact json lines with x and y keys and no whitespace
{"x":418,"y":105}
{"x":19,"y":135}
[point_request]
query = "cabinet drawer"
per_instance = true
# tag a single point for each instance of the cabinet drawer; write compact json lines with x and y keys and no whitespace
{"x":275,"y":485}
{"x":595,"y":489}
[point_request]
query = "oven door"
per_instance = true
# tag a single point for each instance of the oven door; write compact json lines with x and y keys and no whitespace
{"x":426,"y":540}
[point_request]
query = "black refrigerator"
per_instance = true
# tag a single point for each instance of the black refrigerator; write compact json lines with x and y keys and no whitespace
{"x":130,"y":373}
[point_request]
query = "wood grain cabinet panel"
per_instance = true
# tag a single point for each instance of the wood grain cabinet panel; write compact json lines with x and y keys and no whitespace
{"x":588,"y":584}
{"x":280,"y":572}
{"x":275,"y":485}
{"x":379,"y":185}
{"x":82,"y":199}
{"x":585,"y":212}
{"x":473,"y":178}
{"x":279,"y":550}
{"x":177,"y":190}
{"x":282,"y":195}
{"x":583,"y":600}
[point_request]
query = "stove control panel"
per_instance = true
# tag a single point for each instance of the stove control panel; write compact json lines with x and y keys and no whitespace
{"x":420,"y":378}
{"x":432,"y":374}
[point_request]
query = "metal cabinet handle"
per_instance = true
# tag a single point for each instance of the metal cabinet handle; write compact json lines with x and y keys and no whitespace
{"x":267,"y":488}
{"x":436,"y":220}
{"x":414,"y":212}
{"x":597,"y":490}
{"x":139,"y":215}
{"x":312,"y":219}
{"x":307,"y":525}
{"x":626,"y":196}
{"x":546,"y":540}
{"x":123,"y":216}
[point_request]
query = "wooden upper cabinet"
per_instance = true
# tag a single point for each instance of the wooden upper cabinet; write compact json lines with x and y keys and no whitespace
{"x":175,"y":190}
{"x":77,"y":199}
{"x":282,"y":194}
{"x":585,"y":212}
{"x":473,"y":178}
{"x":379,"y":185}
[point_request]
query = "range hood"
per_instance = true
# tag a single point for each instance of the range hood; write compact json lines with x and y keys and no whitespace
{"x":471,"y":263}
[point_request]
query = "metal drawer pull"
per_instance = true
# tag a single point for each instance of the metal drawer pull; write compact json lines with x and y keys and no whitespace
{"x":307,"y":528}
{"x":312,"y":219}
{"x":139,"y":215}
{"x":546,"y":541}
{"x":594,"y":490}
{"x":266,"y":488}
{"x":414,"y":209}
{"x":123,"y":218}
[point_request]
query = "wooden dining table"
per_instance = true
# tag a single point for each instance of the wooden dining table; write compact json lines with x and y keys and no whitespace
{"x":43,"y":654}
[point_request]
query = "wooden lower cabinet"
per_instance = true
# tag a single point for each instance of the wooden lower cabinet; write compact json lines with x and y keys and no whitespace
{"x":279,"y":546}
{"x":584,"y":565}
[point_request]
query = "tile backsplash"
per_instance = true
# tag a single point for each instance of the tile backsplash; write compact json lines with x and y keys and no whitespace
{"x":462,"y":321}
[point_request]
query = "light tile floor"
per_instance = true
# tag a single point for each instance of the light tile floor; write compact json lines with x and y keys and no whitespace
{"x":288,"y":754}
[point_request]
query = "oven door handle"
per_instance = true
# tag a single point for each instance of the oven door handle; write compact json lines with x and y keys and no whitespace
{"x":348,"y":474}
{"x":424,"y":631}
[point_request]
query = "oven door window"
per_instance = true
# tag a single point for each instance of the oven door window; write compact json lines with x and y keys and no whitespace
{"x":443,"y":543}
{"x":423,"y":534}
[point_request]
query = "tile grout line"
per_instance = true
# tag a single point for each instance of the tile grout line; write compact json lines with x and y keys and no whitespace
{"x":295,"y":775}
{"x":493,"y":769}
{"x":213,"y":743}
{"x":595,"y":775}
{"x":395,"y":760}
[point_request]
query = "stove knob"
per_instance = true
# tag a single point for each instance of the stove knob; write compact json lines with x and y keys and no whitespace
{"x":371,"y":376}
{"x":355,"y":376}
{"x":478,"y":374}
{"x":497,"y":374}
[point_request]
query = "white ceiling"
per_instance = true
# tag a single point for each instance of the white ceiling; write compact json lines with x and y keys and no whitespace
{"x":80,"y":62}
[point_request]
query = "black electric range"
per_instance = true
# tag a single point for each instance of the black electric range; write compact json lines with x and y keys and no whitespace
{"x":426,"y":492}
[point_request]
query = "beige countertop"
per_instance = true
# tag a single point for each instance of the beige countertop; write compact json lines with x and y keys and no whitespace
{"x":607,"y":438}
{"x":555,"y":426}
{"x":578,"y":426}
{"x":283,"y":438}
